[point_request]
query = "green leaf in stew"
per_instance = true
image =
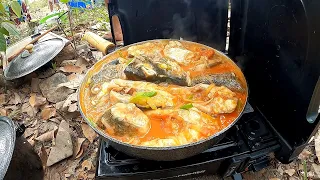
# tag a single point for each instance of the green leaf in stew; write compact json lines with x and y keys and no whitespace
{"x":187,"y":106}
{"x":147,"y":94}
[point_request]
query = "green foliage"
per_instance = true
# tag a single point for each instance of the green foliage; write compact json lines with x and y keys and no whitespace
{"x":10,"y":28}
{"x":7,"y":27}
{"x":2,"y":10}
{"x":4,"y":31}
{"x":16,"y":8}
{"x":3,"y":45}
{"x":38,"y":4}
{"x":91,"y":16}
{"x":64,"y":1}
{"x":54,"y":65}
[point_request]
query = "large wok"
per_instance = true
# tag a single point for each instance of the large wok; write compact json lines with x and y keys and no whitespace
{"x":158,"y":153}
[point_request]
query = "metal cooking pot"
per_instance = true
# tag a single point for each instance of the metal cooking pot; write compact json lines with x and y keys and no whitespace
{"x":160,"y":153}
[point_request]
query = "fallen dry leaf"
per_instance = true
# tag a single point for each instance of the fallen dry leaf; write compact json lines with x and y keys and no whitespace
{"x":67,"y":175}
{"x":73,"y":107}
{"x":13,"y":107}
{"x":28,"y":132}
{"x":34,"y":123}
{"x":72,"y":76}
{"x":86,"y":165}
{"x":43,"y":156}
{"x":79,"y":153}
{"x":3,"y":112}
{"x":15,"y":100}
{"x":27,"y":108}
{"x":72,"y":98}
{"x":280,"y":170}
{"x":36,"y":101}
{"x":35,"y":85}
{"x":3,"y":99}
{"x":82,"y":175}
{"x":72,"y":69}
{"x":74,"y":83}
{"x":68,"y":62}
{"x":47,"y":113}
{"x":316,"y":169}
{"x":290,"y":172}
{"x":88,"y":132}
{"x":78,"y":146}
{"x":82,"y":62}
{"x":55,"y":120}
{"x":91,"y":175}
{"x":59,"y":105}
{"x":317,"y":145}
{"x":304,"y":154}
{"x":274,"y":179}
{"x":31,"y":140}
{"x":48,"y":136}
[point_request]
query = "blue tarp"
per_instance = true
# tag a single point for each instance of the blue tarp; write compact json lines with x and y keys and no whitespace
{"x":79,"y":4}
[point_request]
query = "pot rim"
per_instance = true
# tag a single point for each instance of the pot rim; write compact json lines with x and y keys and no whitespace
{"x":106,"y":136}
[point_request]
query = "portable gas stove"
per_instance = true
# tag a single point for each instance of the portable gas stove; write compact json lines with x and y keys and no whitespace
{"x":246,"y":147}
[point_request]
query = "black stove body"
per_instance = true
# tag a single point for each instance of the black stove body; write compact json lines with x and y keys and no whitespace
{"x":275,"y":44}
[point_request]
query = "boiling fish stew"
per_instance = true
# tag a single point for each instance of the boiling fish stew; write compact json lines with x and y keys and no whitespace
{"x":163,"y":93}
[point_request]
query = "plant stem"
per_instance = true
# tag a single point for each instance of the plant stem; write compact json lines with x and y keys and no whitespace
{"x":70,"y":24}
{"x":305,"y":177}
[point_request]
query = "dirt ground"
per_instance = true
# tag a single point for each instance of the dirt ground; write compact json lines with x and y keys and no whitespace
{"x":46,"y":102}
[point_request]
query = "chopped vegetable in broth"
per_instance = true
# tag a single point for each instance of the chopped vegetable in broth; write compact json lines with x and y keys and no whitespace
{"x":163,"y":93}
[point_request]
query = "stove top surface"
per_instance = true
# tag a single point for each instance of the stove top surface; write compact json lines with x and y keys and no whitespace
{"x":249,"y":135}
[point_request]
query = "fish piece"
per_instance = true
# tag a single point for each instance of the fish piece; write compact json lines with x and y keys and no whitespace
{"x":160,"y":99}
{"x":174,"y":50}
{"x":220,"y":91}
{"x":222,"y":100}
{"x":156,"y":68}
{"x":145,"y":49}
{"x":137,"y":88}
{"x":140,"y":68}
{"x":109,"y":71}
{"x":190,"y":116}
{"x":115,"y":97}
{"x":160,"y":143}
{"x":126,"y":119}
{"x":178,"y":54}
{"x":218,"y":105}
{"x":228,"y":80}
{"x":205,"y":63}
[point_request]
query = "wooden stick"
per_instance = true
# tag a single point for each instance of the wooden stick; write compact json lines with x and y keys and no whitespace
{"x":32,"y":42}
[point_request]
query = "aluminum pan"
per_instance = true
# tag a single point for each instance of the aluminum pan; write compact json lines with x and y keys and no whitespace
{"x":104,"y":135}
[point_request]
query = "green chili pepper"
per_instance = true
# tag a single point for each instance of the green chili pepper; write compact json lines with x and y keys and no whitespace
{"x":187,"y":106}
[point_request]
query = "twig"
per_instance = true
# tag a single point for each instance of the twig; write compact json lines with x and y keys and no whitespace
{"x":90,"y":148}
{"x":70,"y":24}
{"x":59,"y":23}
